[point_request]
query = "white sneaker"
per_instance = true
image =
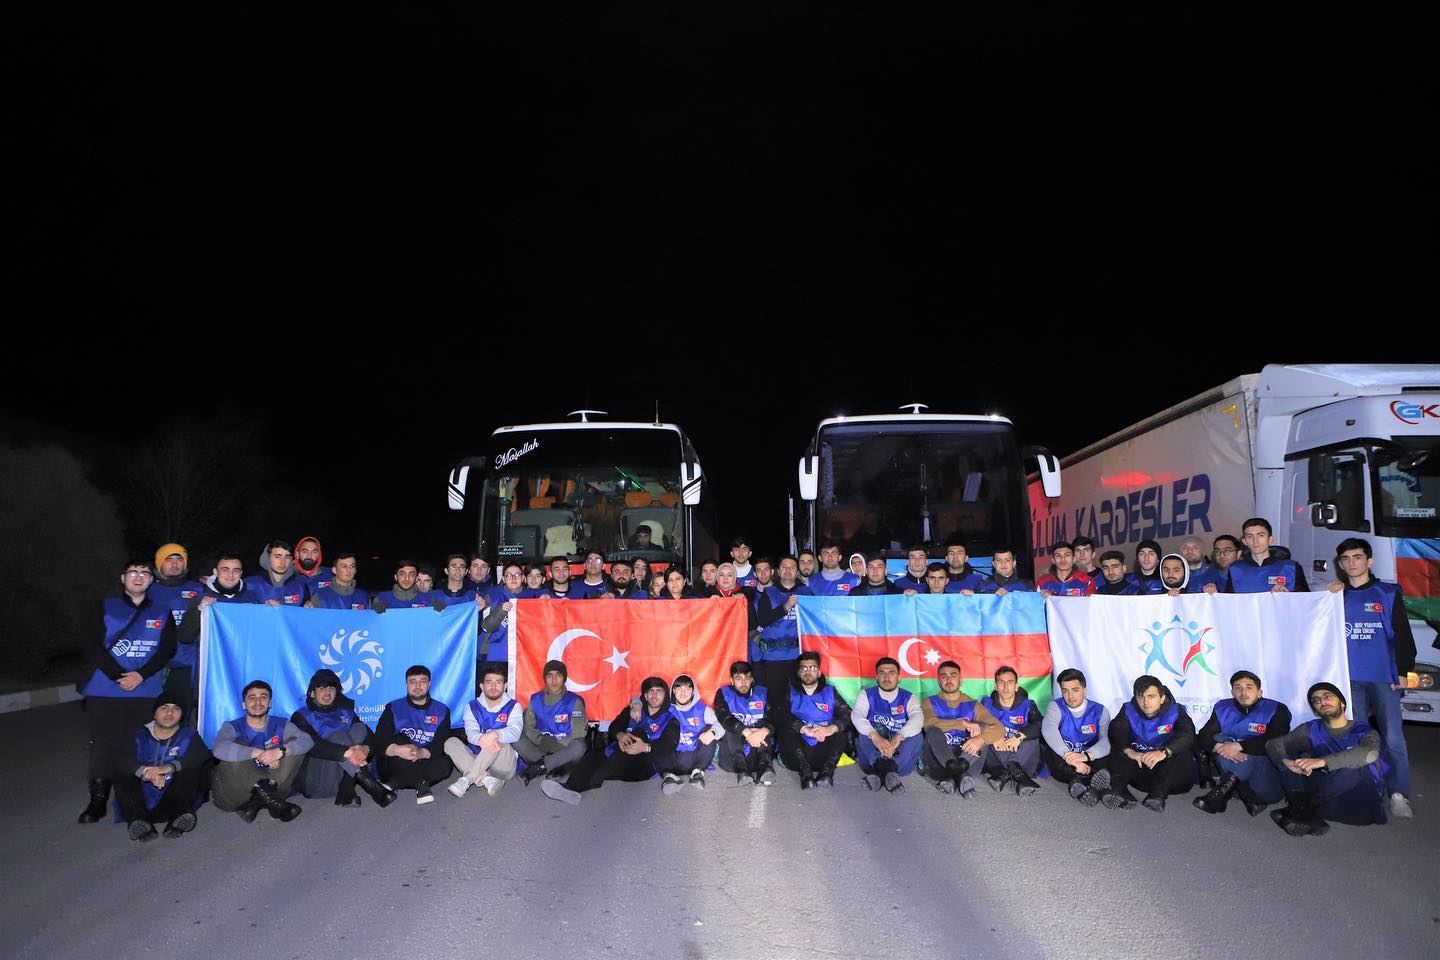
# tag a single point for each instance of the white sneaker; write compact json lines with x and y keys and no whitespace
{"x":492,"y":785}
{"x":697,"y":779}
{"x":670,"y":784}
{"x":1400,"y":807}
{"x":458,"y":788}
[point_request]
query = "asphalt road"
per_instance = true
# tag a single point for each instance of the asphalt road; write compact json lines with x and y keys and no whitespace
{"x":728,"y":872}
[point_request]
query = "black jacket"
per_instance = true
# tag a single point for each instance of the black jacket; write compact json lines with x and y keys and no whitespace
{"x":325,"y":749}
{"x":1278,"y":726}
{"x":787,"y":719}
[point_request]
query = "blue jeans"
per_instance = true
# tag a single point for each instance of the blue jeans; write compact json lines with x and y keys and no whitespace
{"x":905,"y":758}
{"x":1369,"y":697}
{"x":1257,"y":773}
{"x":1344,"y":796}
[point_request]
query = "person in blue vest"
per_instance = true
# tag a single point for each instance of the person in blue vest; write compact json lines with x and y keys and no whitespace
{"x":425,"y":580}
{"x":917,"y":561}
{"x":309,"y":564}
{"x":176,"y":589}
{"x":957,"y":729}
{"x":339,"y":759}
{"x":638,"y":744}
{"x":1073,"y":740}
{"x":1200,"y":568}
{"x":1015,"y":758}
{"x":123,"y":678}
{"x":258,"y":758}
{"x":812,"y":723}
{"x":775,"y":644}
{"x":1262,"y":571}
{"x":1332,"y":769}
{"x":455,"y":588}
{"x":744,"y":711}
{"x":831,"y":580}
{"x":412,"y":731}
{"x":1147,"y":567}
{"x":493,"y":650}
{"x":278,"y":583}
{"x":1224,"y":551}
{"x":698,"y":730}
{"x":764,"y":570}
{"x":808,"y":564}
{"x":593,"y":583}
{"x":494,"y":723}
{"x":406,"y":593}
{"x":937,"y":581}
{"x":224,"y":585}
{"x":965,"y":578}
{"x":1381,"y":651}
{"x":1006,"y":577}
{"x":1114,"y":580}
{"x":740,"y":552}
{"x":877,"y":582}
{"x":554,"y":726}
{"x":170,"y":763}
{"x":889,"y":722}
{"x":341,"y":593}
{"x":1234,"y":740}
{"x":560,"y":586}
{"x":478,"y":574}
{"x":1152,"y":748}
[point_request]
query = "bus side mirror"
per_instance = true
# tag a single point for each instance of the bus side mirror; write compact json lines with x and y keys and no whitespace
{"x":809,"y":478}
{"x":1049,"y":474}
{"x":458,"y":479}
{"x":690,"y":483}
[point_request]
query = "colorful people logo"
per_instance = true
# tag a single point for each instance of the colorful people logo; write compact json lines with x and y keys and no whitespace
{"x":1187,"y":640}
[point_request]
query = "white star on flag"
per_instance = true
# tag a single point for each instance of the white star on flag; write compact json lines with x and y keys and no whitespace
{"x":932,"y":656}
{"x":617,"y":659}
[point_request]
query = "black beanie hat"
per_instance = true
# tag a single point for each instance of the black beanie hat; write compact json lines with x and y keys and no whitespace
{"x":1325,"y":685}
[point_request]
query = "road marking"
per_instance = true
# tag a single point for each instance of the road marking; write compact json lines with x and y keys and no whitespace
{"x":757,"y":806}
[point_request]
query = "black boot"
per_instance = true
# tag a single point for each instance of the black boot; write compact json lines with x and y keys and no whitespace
{"x":1298,"y":818}
{"x":252,"y":807}
{"x":381,"y":794}
{"x":533,"y":770}
{"x":99,"y":795}
{"x":1219,"y":796}
{"x":279,"y":808}
{"x":1253,"y":804}
{"x":1025,"y":785}
{"x":826,"y":775}
{"x":1209,"y":772}
{"x":345,"y":793}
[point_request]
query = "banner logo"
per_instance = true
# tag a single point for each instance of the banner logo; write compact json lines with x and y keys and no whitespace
{"x":120,"y":647}
{"x":1174,"y":641}
{"x":355,"y":658}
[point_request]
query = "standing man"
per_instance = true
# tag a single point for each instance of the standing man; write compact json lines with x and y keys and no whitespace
{"x":808,"y":564}
{"x":341,"y":593}
{"x":876,"y":583}
{"x":1006,"y":578}
{"x":1115,"y":582}
{"x":1174,"y":575}
{"x":764,"y":573}
{"x":1331,"y":769}
{"x":889,"y":722}
{"x":554,"y":726}
{"x":1157,"y":739}
{"x":594,"y":584}
{"x":559,"y":587}
{"x":413,"y":731}
{"x":405,"y":594}
{"x":479,"y":574}
{"x":1262,"y":572}
{"x":1073,"y":740}
{"x":740,"y":552}
{"x":1381,"y":650}
{"x":494,"y":723}
{"x":1064,"y":580}
{"x":1085,"y":561}
{"x":622,"y":582}
{"x":743,"y":710}
{"x":957,"y":730}
{"x":1015,"y":758}
{"x":137,"y":640}
{"x":1235,"y":738}
{"x":917,"y":561}
{"x":1200,"y":569}
{"x":308,"y":565}
{"x":776,"y":643}
{"x":1224,"y":551}
{"x":456,"y":587}
{"x":958,"y":569}
{"x":259,"y":758}
{"x":278,"y":584}
{"x":811,"y":728}
{"x":175,"y":589}
{"x":170,"y":765}
{"x":1147,"y":567}
{"x":343,"y":745}
{"x":937,"y":581}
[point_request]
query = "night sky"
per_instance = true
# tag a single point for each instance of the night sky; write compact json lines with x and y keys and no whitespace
{"x":365,"y":239}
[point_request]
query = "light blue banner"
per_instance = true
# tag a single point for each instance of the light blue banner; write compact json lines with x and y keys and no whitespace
{"x":369,"y":651}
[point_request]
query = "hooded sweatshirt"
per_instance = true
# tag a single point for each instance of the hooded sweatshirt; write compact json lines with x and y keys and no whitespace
{"x":1185,"y":566}
{"x":291,"y":591}
{"x":321,"y":575}
{"x":322,"y":722}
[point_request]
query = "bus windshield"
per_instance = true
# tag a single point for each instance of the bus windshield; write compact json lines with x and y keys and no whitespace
{"x":572,"y":491}
{"x":885,"y":486}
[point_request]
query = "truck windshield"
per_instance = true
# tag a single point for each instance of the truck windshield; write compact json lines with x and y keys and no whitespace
{"x":613,"y":490}
{"x":882,"y":485}
{"x":1406,"y":480}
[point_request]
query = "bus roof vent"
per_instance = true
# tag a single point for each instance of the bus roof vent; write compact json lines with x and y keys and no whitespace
{"x":585,"y":415}
{"x":915,"y":408}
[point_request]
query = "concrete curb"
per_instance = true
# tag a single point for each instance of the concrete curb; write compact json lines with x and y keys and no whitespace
{"x":43,"y":697}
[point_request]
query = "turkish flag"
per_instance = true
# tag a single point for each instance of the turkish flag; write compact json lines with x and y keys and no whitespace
{"x":610,"y":646}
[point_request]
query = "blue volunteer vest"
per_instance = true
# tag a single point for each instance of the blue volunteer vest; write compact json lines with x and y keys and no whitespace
{"x":291,"y":593}
{"x":420,"y":724}
{"x":1245,"y":577}
{"x":1369,"y":631}
{"x":272,"y":736}
{"x":130,"y":648}
{"x":1237,"y":725}
{"x":322,"y":577}
{"x":813,"y":709}
{"x":495,"y":645}
{"x":781,"y":639}
{"x":964,"y":710}
{"x":326,"y":598}
{"x":392,"y":602}
{"x":444,"y":595}
{"x":1127,"y":587}
{"x":889,"y":717}
{"x":821,"y":587}
{"x":580,"y":590}
{"x":1016,"y":586}
{"x":490,"y":720}
{"x":327,"y":723}
{"x":1207,"y":574}
{"x":692,"y":723}
{"x":1323,"y":743}
{"x":973,"y":580}
{"x":749,"y":710}
{"x":647,"y":728}
{"x":150,"y":752}
{"x":1082,"y":732}
{"x":1013,"y":719}
{"x":554,"y":721}
{"x":176,"y":599}
{"x":906,"y":582}
{"x":1151,"y":733}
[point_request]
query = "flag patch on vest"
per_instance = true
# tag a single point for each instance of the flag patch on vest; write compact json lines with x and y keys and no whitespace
{"x":562,"y":718}
{"x":897,"y":709}
{"x":757,"y":704}
{"x":189,"y":594}
{"x":357,"y":606}
{"x":1087,"y":728}
{"x":291,"y":598}
{"x":1165,"y":728}
{"x":153,"y":624}
{"x":500,"y":718}
{"x":1277,"y":581}
{"x":1256,"y":727}
{"x":1374,"y":608}
{"x":432,"y":719}
{"x":823,"y":707}
{"x":693,"y":721}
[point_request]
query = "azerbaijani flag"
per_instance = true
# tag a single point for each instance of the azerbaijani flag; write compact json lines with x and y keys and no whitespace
{"x":1417,"y":568}
{"x":981,"y":633}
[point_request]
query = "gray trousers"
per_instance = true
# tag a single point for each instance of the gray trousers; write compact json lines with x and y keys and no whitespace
{"x":1028,"y":756}
{"x":321,"y":778}
{"x":234,"y":779}
{"x":474,"y":767}
{"x":552,"y":751}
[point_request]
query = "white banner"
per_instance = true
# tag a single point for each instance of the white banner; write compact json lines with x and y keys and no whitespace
{"x":1194,"y":642}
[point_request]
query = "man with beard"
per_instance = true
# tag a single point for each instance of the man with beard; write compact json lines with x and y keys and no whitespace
{"x":278,"y":583}
{"x":1152,"y":743}
{"x":1073,"y":740}
{"x":1224,"y":551}
{"x":308,"y":564}
{"x":957,"y":567}
{"x":1331,"y":768}
{"x":1114,"y":581}
{"x":622,"y":582}
{"x":744,"y":711}
{"x":1234,"y":740}
{"x":1200,"y":570}
{"x":807,"y":563}
{"x":171,"y":763}
{"x":413,"y":730}
{"x":810,"y":728}
{"x":640,"y":742}
{"x":876,"y":582}
{"x":1147,"y":567}
{"x":259,"y":756}
{"x":1015,"y":757}
{"x":1173,"y":574}
{"x":341,"y":593}
{"x":343,"y":745}
{"x":889,"y":722}
{"x":695,"y":743}
{"x":957,"y":730}
{"x":554,"y":726}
